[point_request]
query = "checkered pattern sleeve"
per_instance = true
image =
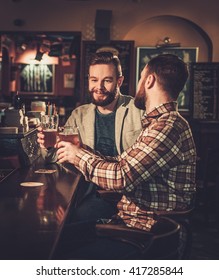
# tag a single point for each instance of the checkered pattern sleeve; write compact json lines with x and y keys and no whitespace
{"x":160,"y":147}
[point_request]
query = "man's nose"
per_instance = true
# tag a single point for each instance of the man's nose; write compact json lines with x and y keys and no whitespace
{"x":100,"y":85}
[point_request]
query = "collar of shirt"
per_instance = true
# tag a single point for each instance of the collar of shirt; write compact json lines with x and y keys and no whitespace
{"x":158,"y":111}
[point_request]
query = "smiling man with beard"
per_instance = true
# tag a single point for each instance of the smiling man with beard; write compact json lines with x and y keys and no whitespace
{"x":109,"y":124}
{"x":110,"y":115}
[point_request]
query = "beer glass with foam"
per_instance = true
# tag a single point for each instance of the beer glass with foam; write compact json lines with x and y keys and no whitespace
{"x":50,"y":124}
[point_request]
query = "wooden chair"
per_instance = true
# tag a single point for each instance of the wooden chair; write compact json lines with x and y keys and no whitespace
{"x":183,"y":218}
{"x":160,"y":243}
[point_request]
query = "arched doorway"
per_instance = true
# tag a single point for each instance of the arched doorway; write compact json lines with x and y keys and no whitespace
{"x":180,"y":30}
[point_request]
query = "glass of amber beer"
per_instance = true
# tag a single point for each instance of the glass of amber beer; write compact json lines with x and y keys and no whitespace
{"x":69,"y":134}
{"x":50,"y":124}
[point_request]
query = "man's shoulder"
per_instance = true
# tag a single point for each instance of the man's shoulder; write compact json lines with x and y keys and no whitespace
{"x":84,"y":108}
{"x":125,"y":100}
{"x":126,"y":97}
{"x":173,"y":120}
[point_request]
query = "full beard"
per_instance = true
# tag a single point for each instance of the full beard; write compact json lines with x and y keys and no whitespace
{"x":140,"y":100}
{"x":109,"y":97}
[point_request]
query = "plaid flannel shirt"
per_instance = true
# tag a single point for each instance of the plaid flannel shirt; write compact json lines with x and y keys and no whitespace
{"x":156,"y":173}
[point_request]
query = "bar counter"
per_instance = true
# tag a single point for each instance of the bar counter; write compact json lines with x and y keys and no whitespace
{"x":32,"y":218}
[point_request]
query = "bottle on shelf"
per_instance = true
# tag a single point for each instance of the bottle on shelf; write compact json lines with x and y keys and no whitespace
{"x":18,"y":104}
{"x":17,"y":101}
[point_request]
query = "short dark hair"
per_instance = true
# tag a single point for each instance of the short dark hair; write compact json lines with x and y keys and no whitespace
{"x":171,"y":71}
{"x":106,"y":58}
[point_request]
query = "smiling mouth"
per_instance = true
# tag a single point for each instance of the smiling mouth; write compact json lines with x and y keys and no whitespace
{"x":100,"y":93}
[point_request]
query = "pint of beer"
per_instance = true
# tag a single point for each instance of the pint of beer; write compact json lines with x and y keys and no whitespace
{"x":50,"y":124}
{"x":69,"y":134}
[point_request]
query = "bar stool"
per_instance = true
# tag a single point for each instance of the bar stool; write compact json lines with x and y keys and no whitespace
{"x":161,"y":243}
{"x":183,"y":218}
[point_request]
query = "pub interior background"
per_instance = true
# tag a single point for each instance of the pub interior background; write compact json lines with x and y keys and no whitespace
{"x":65,"y":31}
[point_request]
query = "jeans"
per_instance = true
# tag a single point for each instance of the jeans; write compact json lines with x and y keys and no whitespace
{"x":91,"y":208}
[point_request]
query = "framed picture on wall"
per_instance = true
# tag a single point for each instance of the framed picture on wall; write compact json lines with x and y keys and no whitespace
{"x":123,"y":49}
{"x":36,"y":78}
{"x":69,"y":80}
{"x":189,"y":55}
{"x":67,"y":76}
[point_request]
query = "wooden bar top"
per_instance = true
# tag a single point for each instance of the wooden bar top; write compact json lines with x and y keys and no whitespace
{"x":31,"y":218}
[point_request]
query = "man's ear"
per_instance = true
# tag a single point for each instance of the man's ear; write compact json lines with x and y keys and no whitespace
{"x":150,"y":81}
{"x":120,"y":81}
